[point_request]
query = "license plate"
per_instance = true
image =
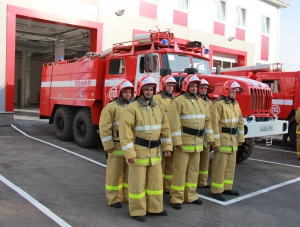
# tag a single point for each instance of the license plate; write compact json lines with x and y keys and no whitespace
{"x":266,"y":128}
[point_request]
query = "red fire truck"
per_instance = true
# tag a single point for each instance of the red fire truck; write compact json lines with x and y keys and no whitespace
{"x":285,"y":87}
{"x":73,"y":92}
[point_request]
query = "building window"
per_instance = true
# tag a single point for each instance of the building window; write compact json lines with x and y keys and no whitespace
{"x":220,"y":9}
{"x":116,"y":66}
{"x":265,"y":28}
{"x":183,"y":4}
{"x":240,"y":16}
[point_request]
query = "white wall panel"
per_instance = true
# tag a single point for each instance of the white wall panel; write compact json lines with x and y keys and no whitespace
{"x":164,"y":11}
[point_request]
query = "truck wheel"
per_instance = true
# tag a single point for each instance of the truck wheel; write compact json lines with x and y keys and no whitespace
{"x":245,"y":150}
{"x":85,"y":134}
{"x":63,"y":123}
{"x":292,"y":133}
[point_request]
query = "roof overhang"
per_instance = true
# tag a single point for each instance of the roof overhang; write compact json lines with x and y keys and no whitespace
{"x":280,"y":3}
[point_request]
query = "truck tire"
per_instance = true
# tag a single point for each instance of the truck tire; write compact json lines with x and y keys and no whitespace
{"x":85,"y":134}
{"x":63,"y":123}
{"x":245,"y":150}
{"x":292,"y":133}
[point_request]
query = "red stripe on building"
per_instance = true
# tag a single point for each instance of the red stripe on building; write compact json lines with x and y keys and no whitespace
{"x":148,"y":10}
{"x":264,"y":48}
{"x":180,"y":18}
{"x":219,"y":28}
{"x":240,"y":34}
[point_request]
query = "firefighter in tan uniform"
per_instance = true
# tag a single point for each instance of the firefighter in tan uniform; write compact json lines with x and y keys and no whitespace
{"x":189,"y":119}
{"x":117,"y":168}
{"x":165,"y":97}
{"x":228,"y":127}
{"x":297,"y":118}
{"x":144,"y":135}
{"x":204,"y":89}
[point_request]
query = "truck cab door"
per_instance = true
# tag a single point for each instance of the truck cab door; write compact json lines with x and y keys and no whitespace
{"x":148,"y":63}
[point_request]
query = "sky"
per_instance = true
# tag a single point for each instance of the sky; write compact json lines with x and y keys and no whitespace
{"x":289,"y":38}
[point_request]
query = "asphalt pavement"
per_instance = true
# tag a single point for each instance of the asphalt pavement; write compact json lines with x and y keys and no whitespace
{"x":47,"y":182}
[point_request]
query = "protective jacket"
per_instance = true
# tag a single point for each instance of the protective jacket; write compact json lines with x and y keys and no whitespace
{"x":141,"y":121}
{"x":109,"y":132}
{"x":226,"y":116}
{"x":165,"y":100}
{"x":297,"y":115}
{"x":190,"y":114}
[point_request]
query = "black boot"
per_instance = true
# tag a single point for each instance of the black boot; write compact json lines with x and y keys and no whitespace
{"x":163,"y":213}
{"x":117,"y":205}
{"x":219,"y":196}
{"x":177,"y":206}
{"x":140,"y":218}
{"x":231,"y":192}
{"x":197,"y":202}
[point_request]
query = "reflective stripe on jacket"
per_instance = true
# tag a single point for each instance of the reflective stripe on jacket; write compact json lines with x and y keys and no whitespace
{"x":192,"y":113}
{"x":228,"y":115}
{"x":109,"y":126}
{"x":148,"y":122}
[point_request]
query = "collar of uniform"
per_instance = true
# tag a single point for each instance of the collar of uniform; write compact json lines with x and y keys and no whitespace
{"x":190,"y":97}
{"x":227,"y":100}
{"x":165,"y":96}
{"x":143,"y":103}
{"x":121,"y":103}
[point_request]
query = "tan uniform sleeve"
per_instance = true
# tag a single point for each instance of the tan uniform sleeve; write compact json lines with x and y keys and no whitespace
{"x":127,"y":122}
{"x":209,"y":135}
{"x":297,"y":116}
{"x":174,"y":119}
{"x":165,"y":133}
{"x":216,"y":112}
{"x":241,"y":135}
{"x":105,"y":128}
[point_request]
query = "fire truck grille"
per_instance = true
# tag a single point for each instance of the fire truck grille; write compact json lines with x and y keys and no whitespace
{"x":260,"y":100}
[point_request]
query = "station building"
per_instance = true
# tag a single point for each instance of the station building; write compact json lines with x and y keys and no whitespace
{"x":34,"y":32}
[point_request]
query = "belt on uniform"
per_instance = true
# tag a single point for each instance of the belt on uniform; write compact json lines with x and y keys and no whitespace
{"x":147,"y":143}
{"x":191,"y":131}
{"x":229,"y":130}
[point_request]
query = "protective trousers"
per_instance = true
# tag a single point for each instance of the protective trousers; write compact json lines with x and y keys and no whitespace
{"x":145,"y":189}
{"x":298,"y":141}
{"x":116,"y":180}
{"x":203,"y":167}
{"x":223,"y":168}
{"x":185,"y":176}
{"x":167,"y":163}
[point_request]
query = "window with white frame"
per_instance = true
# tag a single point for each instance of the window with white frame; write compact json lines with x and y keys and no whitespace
{"x":240,"y":16}
{"x":265,"y":26}
{"x":183,"y":4}
{"x":220,"y":9}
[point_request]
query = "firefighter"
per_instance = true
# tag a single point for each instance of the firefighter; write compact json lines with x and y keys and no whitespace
{"x":297,"y":118}
{"x":144,"y":135}
{"x":204,"y":89}
{"x":228,"y":127}
{"x":165,"y":97}
{"x":117,"y":168}
{"x":189,"y":119}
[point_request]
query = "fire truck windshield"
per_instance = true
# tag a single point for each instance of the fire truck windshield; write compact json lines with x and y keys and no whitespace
{"x":178,"y":62}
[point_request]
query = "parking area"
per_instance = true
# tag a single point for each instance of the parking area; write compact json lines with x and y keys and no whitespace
{"x":47,"y":182}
